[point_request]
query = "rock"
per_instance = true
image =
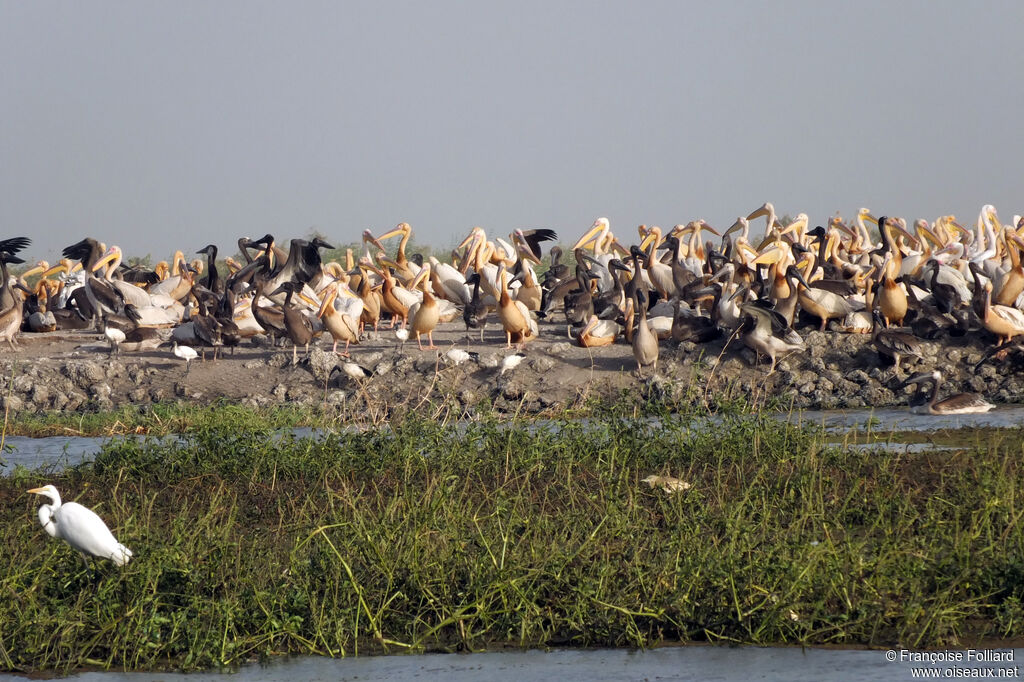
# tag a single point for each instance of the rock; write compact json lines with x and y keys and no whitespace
{"x":136,"y":373}
{"x":254,"y":364}
{"x":100,"y":391}
{"x":469,"y":397}
{"x":139,"y":395}
{"x":426,"y":364}
{"x":383,"y":367}
{"x":859,"y":376}
{"x":489,"y":360}
{"x":11,"y":402}
{"x":157,"y":394}
{"x":542,"y":364}
{"x":559,"y":349}
{"x":321,"y":363}
{"x":370,"y":359}
{"x":114,"y":369}
{"x":40,"y":395}
{"x":685,"y":348}
{"x":512,"y":390}
{"x":279,"y":360}
{"x":337,"y":398}
{"x":279,"y":391}
{"x":300,"y":395}
{"x":60,"y":401}
{"x":22,"y":383}
{"x":84,"y":373}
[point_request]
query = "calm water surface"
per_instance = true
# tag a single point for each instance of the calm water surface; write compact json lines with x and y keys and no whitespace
{"x":61,"y":451}
{"x":705,"y":663}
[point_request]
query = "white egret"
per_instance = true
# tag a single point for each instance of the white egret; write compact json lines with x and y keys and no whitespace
{"x":186,"y":353}
{"x":80,"y":527}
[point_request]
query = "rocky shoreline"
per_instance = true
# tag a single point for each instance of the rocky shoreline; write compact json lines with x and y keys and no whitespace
{"x":73,"y":372}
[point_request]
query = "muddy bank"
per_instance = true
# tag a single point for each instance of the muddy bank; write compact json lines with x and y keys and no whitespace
{"x":72,"y":371}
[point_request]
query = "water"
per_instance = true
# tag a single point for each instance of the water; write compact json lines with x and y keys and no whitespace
{"x":54,"y":452}
{"x":901,"y":419}
{"x":57,"y":452}
{"x":705,"y":663}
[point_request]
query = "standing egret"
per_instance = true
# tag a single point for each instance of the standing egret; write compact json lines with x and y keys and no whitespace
{"x":115,"y":336}
{"x":80,"y":527}
{"x":186,"y":353}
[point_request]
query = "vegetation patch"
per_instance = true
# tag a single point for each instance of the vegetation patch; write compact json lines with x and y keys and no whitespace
{"x":436,"y":535}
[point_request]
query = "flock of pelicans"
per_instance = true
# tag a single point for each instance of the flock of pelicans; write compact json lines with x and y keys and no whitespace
{"x":899,"y":283}
{"x":930,"y":279}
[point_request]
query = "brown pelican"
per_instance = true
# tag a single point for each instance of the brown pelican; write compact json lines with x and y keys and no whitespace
{"x":8,"y":248}
{"x":101,"y":294}
{"x":761,"y":335}
{"x":11,"y":319}
{"x":212,"y":281}
{"x":892,"y":343}
{"x":474,"y":312}
{"x":298,"y":326}
{"x":959,"y":403}
{"x":645,"y":343}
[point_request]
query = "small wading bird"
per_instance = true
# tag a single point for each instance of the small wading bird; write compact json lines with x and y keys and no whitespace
{"x":186,"y":353}
{"x":80,"y":527}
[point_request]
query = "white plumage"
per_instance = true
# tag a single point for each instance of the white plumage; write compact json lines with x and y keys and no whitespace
{"x":186,"y":353}
{"x":511,"y":362}
{"x":115,"y":336}
{"x":80,"y":527}
{"x":457,"y":356}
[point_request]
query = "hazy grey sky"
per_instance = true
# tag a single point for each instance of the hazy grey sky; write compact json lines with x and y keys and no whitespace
{"x":170,"y":125}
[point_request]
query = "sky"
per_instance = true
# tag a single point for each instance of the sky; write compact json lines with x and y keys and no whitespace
{"x":160,"y":125}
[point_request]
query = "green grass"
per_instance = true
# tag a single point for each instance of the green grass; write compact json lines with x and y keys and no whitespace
{"x":427,"y":536}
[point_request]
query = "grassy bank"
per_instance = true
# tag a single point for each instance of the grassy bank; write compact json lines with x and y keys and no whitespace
{"x":424,"y":536}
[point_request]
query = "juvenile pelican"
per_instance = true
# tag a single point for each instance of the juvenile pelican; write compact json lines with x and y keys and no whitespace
{"x":959,"y":403}
{"x":761,"y":335}
{"x":645,"y":343}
